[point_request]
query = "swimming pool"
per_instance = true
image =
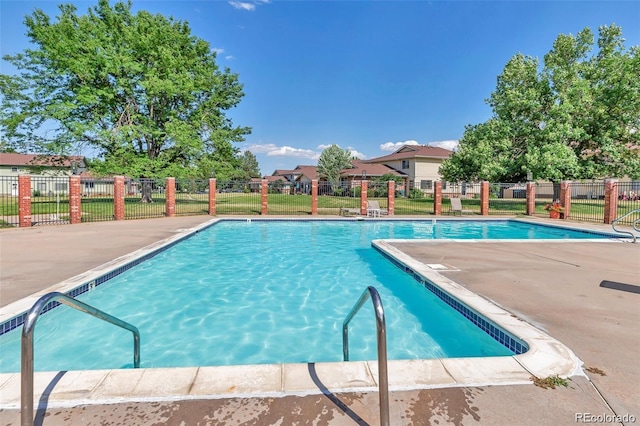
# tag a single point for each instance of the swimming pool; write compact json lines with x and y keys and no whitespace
{"x":306,"y":254}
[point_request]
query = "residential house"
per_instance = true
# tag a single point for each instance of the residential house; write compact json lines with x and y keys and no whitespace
{"x":42,"y":168}
{"x":418,"y":164}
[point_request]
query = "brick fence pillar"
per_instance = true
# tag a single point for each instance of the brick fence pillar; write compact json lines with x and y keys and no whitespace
{"x":314,"y":197}
{"x":484,"y":198}
{"x":264,"y":189}
{"x":610,"y":200}
{"x":363,"y":197}
{"x":565,"y":198}
{"x":437,"y":198}
{"x":75,"y":199}
{"x":391,"y":197}
{"x":212,"y":196}
{"x":118,"y":198}
{"x":170,"y":197}
{"x":531,"y":198}
{"x":24,"y":201}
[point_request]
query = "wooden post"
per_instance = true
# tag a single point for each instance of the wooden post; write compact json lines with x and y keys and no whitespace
{"x":610,"y":200}
{"x":531,"y":198}
{"x":484,"y":198}
{"x":363,"y":198}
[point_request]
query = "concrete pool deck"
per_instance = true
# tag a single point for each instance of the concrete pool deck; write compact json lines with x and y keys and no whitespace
{"x":556,"y":286}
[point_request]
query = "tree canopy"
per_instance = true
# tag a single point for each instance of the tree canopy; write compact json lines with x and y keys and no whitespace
{"x":332,"y":160}
{"x":139,"y":90}
{"x":575,"y":117}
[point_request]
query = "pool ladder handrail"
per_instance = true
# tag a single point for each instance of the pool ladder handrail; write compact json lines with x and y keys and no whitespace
{"x":635,"y":224}
{"x":26,"y":371}
{"x":383,"y":385}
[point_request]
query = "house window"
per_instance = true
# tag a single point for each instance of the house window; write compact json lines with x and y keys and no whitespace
{"x":405,"y":164}
{"x":88,"y":185}
{"x":426,"y":184}
{"x":42,"y":186}
{"x":61,"y":186}
{"x":444,"y":185}
{"x":14,"y":170}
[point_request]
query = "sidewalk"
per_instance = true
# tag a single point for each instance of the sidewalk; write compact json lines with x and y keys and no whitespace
{"x":554,"y":286}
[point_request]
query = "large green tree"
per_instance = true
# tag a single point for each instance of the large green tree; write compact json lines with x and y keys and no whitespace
{"x":332,"y":160}
{"x":576,"y":117}
{"x":139,"y":90}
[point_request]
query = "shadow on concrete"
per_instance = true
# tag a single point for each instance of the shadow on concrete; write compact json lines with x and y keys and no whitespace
{"x":44,"y":399}
{"x":326,"y":392}
{"x":620,"y":286}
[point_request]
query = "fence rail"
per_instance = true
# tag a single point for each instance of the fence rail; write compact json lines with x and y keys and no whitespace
{"x":146,"y":198}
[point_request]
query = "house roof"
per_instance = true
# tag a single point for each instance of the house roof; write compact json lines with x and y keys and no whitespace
{"x":371,"y":169}
{"x":13,"y":159}
{"x":310,"y":172}
{"x":274,"y":178}
{"x":281,"y":172}
{"x":414,"y":151}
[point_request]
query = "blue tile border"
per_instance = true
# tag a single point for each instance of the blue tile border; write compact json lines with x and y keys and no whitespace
{"x":499,"y":334}
{"x":18,"y":320}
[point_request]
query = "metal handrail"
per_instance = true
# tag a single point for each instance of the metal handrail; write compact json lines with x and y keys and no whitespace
{"x":613,"y":224}
{"x":26,"y":397}
{"x":383,"y":386}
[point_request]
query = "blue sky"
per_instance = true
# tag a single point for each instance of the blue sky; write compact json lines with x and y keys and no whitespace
{"x":366,"y":75}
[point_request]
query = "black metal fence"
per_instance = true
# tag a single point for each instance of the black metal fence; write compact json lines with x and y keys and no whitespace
{"x":146,"y":198}
{"x":9,"y":201}
{"x":49,"y":200}
{"x":192,"y":197}
{"x":283,"y":199}
{"x":628,"y":201}
{"x":97,"y":199}
{"x":335,"y":199}
{"x":238,"y":197}
{"x":507,"y":198}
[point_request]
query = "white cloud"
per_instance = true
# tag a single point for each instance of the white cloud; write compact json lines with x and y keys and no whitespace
{"x":324,"y":146}
{"x":250,"y":6}
{"x":272,"y":150}
{"x":392,"y":146}
{"x":229,"y":57}
{"x":357,"y":154}
{"x":243,"y":5}
{"x":451,"y":145}
{"x":218,"y":50}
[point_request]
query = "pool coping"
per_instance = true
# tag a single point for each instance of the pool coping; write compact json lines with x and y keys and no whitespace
{"x":546,"y":356}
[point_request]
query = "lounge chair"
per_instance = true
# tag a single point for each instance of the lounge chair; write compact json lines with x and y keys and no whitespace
{"x":374,"y":209}
{"x":344,"y":211}
{"x":456,"y":207}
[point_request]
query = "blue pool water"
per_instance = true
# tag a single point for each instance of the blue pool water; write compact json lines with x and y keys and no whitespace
{"x":268,"y":292}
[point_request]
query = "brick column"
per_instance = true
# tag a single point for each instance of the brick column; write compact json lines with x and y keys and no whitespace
{"x":314,"y":197}
{"x":391,"y":197}
{"x":565,"y":198}
{"x":75,"y":199}
{"x":484,"y":198}
{"x":118,"y":198}
{"x":531,"y":198}
{"x":264,"y":189}
{"x":212,"y":196}
{"x":24,"y":201}
{"x":170,"y":197}
{"x":363,"y":198}
{"x":610,"y":200}
{"x":437,"y":198}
